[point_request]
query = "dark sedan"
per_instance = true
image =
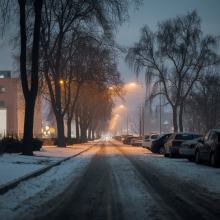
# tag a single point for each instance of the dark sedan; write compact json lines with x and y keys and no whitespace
{"x":174,"y":142}
{"x":188,"y":148}
{"x":157,"y":146}
{"x":208,"y":149}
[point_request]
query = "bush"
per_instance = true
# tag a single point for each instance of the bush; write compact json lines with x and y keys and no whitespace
{"x":37,"y":144}
{"x":10,"y":144}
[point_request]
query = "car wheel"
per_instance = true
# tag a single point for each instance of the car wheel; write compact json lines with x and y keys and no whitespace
{"x":213,"y":161}
{"x":162,"y":150}
{"x":191,"y":159}
{"x":197,"y":159}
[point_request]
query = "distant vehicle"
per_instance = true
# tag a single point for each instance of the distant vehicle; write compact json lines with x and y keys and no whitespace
{"x":208,"y":149}
{"x":157,"y":145}
{"x":118,"y":138}
{"x":174,"y":142}
{"x":147,"y":140}
{"x":127,"y":139}
{"x":188,"y":148}
{"x":136,"y":141}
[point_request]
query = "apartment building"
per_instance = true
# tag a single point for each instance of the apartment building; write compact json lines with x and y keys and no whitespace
{"x":12,"y":107}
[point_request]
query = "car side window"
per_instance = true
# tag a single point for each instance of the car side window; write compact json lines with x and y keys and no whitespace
{"x":207,"y":136}
{"x":172,"y":136}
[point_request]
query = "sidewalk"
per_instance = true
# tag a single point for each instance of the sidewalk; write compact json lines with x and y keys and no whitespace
{"x":15,"y":168}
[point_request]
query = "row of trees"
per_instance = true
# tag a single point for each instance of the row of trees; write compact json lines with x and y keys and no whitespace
{"x":202,"y":106}
{"x":69,"y":41}
{"x":173,"y":58}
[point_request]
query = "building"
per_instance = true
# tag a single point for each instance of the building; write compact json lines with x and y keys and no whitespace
{"x":12,"y":107}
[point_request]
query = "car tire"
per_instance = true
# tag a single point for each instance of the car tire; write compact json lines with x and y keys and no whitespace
{"x":212,"y":160}
{"x":197,"y":159}
{"x":191,"y":159}
{"x":162,"y":150}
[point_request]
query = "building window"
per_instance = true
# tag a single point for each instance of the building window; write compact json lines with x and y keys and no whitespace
{"x":2,"y":89}
{"x":2,"y":103}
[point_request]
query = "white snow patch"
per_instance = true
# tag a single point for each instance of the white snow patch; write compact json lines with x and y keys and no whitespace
{"x":15,"y":166}
{"x":30,"y":196}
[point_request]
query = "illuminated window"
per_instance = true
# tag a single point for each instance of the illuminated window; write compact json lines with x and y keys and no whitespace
{"x":2,"y":89}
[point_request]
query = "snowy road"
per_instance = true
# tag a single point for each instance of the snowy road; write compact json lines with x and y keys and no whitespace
{"x":122,"y":182}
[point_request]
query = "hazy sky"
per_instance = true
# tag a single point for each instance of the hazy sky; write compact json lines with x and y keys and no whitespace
{"x":153,"y":11}
{"x":150,"y":12}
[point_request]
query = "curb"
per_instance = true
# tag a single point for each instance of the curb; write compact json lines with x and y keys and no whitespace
{"x":12,"y":184}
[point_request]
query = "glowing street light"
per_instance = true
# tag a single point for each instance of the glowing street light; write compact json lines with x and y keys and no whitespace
{"x":61,"y":82}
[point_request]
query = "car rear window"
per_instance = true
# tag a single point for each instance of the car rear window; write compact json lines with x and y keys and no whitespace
{"x":154,"y":136}
{"x":184,"y":137}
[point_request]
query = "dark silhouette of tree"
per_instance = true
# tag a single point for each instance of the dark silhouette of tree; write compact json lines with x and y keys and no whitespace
{"x":173,"y":58}
{"x":63,"y":20}
{"x":201,"y":109}
{"x":29,"y":78}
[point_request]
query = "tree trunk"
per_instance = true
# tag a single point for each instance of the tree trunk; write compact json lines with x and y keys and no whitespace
{"x":93,"y":134}
{"x":28,"y":127}
{"x":83,"y":133}
{"x":69,"y":128}
{"x":175,"y":125}
{"x":77,"y":126}
{"x":30,"y":94}
{"x":60,"y":131}
{"x":181,"y":118}
{"x":90,"y":134}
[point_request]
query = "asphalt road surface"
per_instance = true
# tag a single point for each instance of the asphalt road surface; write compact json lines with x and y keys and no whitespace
{"x":118,"y":185}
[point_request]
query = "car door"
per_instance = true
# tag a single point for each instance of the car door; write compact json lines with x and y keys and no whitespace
{"x":168,"y":143}
{"x":204,"y":147}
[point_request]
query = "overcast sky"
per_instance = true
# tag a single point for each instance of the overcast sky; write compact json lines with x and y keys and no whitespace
{"x":149,"y":13}
{"x":153,"y":11}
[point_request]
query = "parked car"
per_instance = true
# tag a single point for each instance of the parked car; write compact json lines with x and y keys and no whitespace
{"x":157,"y":145}
{"x":174,"y":142}
{"x":208,"y":149}
{"x":147,"y":140}
{"x":136,"y":141}
{"x":127,"y":139}
{"x":188,"y":148}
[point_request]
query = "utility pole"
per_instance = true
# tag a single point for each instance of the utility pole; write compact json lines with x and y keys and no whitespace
{"x":160,"y":110}
{"x":127,"y":123}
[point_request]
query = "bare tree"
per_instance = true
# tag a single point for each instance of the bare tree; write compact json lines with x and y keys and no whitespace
{"x":29,"y":79}
{"x":62,"y":20}
{"x":173,"y":58}
{"x":201,"y":109}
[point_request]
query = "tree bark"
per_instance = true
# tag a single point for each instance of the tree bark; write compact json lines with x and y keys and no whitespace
{"x":30,"y":95}
{"x":69,"y":128}
{"x":175,"y":125}
{"x":77,"y":126}
{"x":60,"y":131}
{"x":181,"y":118}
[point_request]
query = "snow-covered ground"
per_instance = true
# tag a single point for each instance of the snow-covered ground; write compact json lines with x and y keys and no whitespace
{"x":204,"y":176}
{"x":30,"y":196}
{"x":14,"y":166}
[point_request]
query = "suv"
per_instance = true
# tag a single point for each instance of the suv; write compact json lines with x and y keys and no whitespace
{"x":148,"y":140}
{"x":208,"y":149}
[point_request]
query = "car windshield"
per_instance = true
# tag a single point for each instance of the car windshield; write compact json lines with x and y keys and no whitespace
{"x":184,"y":137}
